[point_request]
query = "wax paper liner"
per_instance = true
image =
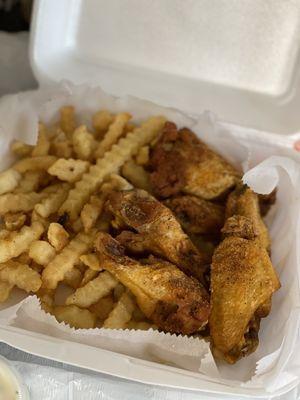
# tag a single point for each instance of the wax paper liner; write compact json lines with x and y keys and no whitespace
{"x":276,"y":363}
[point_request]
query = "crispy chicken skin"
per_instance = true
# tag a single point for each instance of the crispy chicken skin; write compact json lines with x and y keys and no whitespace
{"x":244,"y":202}
{"x":182,"y":163}
{"x":197,"y":215}
{"x":169,"y":298}
{"x":158,"y":230}
{"x":242,"y":282}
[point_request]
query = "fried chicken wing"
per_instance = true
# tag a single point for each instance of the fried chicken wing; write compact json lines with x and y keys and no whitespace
{"x":243,"y":201}
{"x":242,"y":282}
{"x":266,"y":201}
{"x":197,"y":215}
{"x":169,"y":298}
{"x":158,"y":231}
{"x":183,"y":163}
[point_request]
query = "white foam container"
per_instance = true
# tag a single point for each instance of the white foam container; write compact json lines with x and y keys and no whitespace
{"x":238,"y":59}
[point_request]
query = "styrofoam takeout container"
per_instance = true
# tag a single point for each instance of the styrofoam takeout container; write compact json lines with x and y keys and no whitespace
{"x":238,"y":59}
{"x":13,"y":378}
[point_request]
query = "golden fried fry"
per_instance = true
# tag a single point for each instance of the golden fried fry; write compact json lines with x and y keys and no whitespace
{"x":69,"y":170}
{"x":9,"y":180}
{"x":43,"y":145}
{"x":19,"y":242}
{"x":92,"y":261}
{"x":34,"y":163}
{"x":110,"y":163}
{"x":41,"y":252}
{"x":32,"y":181}
{"x":115,"y":131}
{"x":142,"y":157}
{"x":140,"y":326}
{"x":136,"y":175}
{"x":93,"y":291}
{"x":121,"y":313}
{"x":64,"y":261}
{"x":83,"y":143}
{"x":73,"y":278}
{"x":13,"y":203}
{"x":21,"y":149}
{"x":118,"y":291}
{"x":91,"y":212}
{"x":57,"y":236}
{"x":14,"y":221}
{"x":89,"y":275}
{"x":51,"y":204}
{"x":67,"y":120}
{"x":103,"y":307}
{"x":20,"y":275}
{"x":101,"y":121}
{"x":75,"y":317}
{"x":46,"y":297}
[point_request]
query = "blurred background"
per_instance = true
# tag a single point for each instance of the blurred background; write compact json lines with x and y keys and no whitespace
{"x":15,"y":71}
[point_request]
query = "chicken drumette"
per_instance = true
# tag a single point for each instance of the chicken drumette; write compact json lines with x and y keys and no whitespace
{"x":182,"y":163}
{"x":242,"y":282}
{"x":158,"y":231}
{"x":169,"y":298}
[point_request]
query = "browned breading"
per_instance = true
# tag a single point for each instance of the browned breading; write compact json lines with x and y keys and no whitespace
{"x":158,"y":230}
{"x":242,"y":282}
{"x":173,"y":301}
{"x":183,"y":163}
{"x":197,"y":215}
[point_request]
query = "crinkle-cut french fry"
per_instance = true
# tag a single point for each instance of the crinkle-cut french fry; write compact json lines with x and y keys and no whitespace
{"x":34,"y":163}
{"x":35,"y":217}
{"x":32,"y":181}
{"x":67,"y":120}
{"x":4,"y":233}
{"x":140,"y":325}
{"x":142,"y":157}
{"x":62,"y":149}
{"x":110,"y":163}
{"x":103,"y":307}
{"x":89,"y":275}
{"x":23,"y":258}
{"x":121,"y":313}
{"x":75,"y":317}
{"x":51,"y":204}
{"x":118,"y":291}
{"x":91,"y":212}
{"x":14,"y":221}
{"x":115,"y":182}
{"x":20,"y":148}
{"x":57,"y":236}
{"x":136,"y":175}
{"x":83,"y":143}
{"x":93,"y":291}
{"x":46,"y":297}
{"x":77,"y":225}
{"x":20,"y":275}
{"x":5,"y":289}
{"x":101,"y":121}
{"x":92,"y":261}
{"x":41,"y":252}
{"x":68,"y":170}
{"x":64,"y":261}
{"x":43,"y":144}
{"x":13,"y":203}
{"x":18,"y":242}
{"x":9,"y":180}
{"x":115,"y":131}
{"x":73,"y":278}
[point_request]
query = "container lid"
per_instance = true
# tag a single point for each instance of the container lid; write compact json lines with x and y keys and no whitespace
{"x":238,"y":59}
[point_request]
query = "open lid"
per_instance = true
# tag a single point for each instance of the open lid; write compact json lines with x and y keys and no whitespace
{"x":238,"y":59}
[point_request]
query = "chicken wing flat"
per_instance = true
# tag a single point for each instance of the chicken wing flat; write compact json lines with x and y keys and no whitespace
{"x":197,"y":215}
{"x":158,"y":230}
{"x":243,"y":201}
{"x":242,"y":282}
{"x":169,"y":298}
{"x":182,"y":163}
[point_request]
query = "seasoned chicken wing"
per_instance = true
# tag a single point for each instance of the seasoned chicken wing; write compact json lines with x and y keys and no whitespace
{"x":242,"y":282}
{"x":197,"y":215}
{"x":169,"y":298}
{"x":183,"y":163}
{"x":243,"y":201}
{"x":158,"y":230}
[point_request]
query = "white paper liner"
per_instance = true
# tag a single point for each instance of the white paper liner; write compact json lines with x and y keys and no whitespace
{"x":276,"y":363}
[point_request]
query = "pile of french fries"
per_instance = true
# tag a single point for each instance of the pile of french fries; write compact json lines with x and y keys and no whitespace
{"x":51,"y":206}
